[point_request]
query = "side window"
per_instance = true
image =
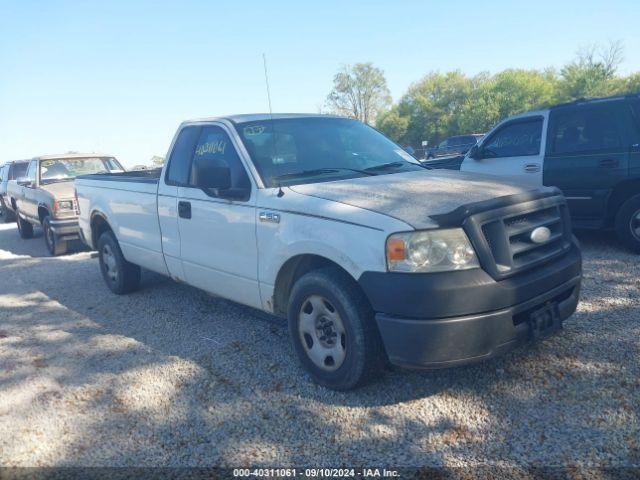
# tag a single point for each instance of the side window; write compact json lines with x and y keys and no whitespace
{"x":214,"y":149}
{"x":32,"y":170}
{"x":17,"y":170}
{"x":518,"y":139}
{"x":180,"y":159}
{"x":584,"y":129}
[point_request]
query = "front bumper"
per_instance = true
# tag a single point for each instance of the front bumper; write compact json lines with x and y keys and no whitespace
{"x":453,"y":318}
{"x":67,"y":229}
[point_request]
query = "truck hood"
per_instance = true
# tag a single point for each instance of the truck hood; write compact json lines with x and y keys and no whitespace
{"x":413,"y":197}
{"x":59,"y":190}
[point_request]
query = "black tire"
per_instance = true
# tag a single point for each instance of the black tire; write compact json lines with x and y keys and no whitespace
{"x":363,"y":352}
{"x":120,"y":275}
{"x":25,"y":229}
{"x":7,"y":214}
{"x":54,"y":245}
{"x":627,"y":223}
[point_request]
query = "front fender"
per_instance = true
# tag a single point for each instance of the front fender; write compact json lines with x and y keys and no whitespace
{"x":354,"y":248}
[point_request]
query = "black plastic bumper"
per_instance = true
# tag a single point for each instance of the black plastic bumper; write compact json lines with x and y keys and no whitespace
{"x":66,"y":229}
{"x":446,"y":319}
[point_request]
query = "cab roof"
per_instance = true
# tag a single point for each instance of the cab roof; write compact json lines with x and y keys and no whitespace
{"x":70,"y":155}
{"x":260,"y":117}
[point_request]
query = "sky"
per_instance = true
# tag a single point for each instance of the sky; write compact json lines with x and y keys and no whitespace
{"x":118,"y":77}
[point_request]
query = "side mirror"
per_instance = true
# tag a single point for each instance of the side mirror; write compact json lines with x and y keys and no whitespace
{"x":215,"y":181}
{"x":23,"y":181}
{"x":209,"y":176}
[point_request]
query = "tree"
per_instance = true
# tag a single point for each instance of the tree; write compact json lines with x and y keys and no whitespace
{"x":157,"y":161}
{"x":592,"y":73}
{"x":506,"y":93}
{"x":446,"y":104}
{"x":433,"y":104}
{"x":392,"y":124}
{"x":359,"y":91}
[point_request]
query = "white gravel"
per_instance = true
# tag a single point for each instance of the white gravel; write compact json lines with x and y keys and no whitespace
{"x":170,"y":376}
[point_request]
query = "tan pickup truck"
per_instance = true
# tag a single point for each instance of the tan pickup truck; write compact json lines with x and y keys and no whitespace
{"x":45,"y":196}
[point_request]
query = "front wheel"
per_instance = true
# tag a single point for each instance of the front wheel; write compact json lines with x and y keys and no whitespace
{"x":25,"y":229}
{"x":54,"y":244}
{"x":627,"y":223}
{"x":333,"y":330}
{"x":120,"y":276}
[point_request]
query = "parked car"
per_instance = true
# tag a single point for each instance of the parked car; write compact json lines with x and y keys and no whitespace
{"x":452,"y":146}
{"x":10,"y":171}
{"x":44,"y":196}
{"x":326,"y":222}
{"x":590,"y":149}
{"x":447,"y":163}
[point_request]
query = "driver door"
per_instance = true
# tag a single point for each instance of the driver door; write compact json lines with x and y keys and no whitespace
{"x":513,"y":150}
{"x":218,"y":236}
{"x":27,"y":202}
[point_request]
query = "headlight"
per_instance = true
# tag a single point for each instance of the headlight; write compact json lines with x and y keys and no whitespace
{"x":65,"y":205}
{"x":430,"y":251}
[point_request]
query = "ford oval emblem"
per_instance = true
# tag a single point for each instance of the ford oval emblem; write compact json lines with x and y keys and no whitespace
{"x":540,"y":235}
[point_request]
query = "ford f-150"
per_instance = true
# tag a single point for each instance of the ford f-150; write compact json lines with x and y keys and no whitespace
{"x":324,"y":221}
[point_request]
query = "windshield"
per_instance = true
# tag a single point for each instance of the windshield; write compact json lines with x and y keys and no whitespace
{"x":63,"y":169}
{"x":306,"y":150}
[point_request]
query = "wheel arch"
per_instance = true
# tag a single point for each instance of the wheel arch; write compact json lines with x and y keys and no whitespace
{"x":620,"y":194}
{"x":43,"y":211}
{"x":294,"y":268}
{"x":98,"y":224}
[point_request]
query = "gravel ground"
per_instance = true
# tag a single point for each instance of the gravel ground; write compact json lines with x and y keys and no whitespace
{"x":171,"y":376}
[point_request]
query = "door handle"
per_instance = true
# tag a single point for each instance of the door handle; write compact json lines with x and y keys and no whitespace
{"x":608,"y":163}
{"x":532,"y":167}
{"x":184,"y":209}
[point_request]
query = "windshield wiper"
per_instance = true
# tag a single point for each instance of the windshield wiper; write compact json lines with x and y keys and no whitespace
{"x":320,"y":171}
{"x":385,"y":166}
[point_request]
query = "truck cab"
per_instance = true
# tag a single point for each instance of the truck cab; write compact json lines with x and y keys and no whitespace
{"x":590,"y":149}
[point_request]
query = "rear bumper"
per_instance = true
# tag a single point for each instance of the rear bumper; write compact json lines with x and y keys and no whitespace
{"x":442,"y":320}
{"x":67,"y":229}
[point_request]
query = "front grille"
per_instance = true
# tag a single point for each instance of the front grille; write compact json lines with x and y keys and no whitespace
{"x":503,"y":241}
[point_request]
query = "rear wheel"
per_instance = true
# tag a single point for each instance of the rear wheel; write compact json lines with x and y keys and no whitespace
{"x":333,"y":330}
{"x":120,"y":276}
{"x":25,"y":229}
{"x":54,"y":245}
{"x":627,"y":223}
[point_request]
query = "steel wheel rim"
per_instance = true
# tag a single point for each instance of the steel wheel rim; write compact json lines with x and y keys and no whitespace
{"x":322,"y":333}
{"x":634,"y":225}
{"x":109,"y":262}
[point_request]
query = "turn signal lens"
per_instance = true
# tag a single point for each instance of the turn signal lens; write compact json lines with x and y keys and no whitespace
{"x":395,"y":249}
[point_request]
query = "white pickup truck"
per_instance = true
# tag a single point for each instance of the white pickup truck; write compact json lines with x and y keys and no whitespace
{"x":326,"y":222}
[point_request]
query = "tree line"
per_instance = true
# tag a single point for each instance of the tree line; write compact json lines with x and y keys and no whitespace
{"x":444,"y":104}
